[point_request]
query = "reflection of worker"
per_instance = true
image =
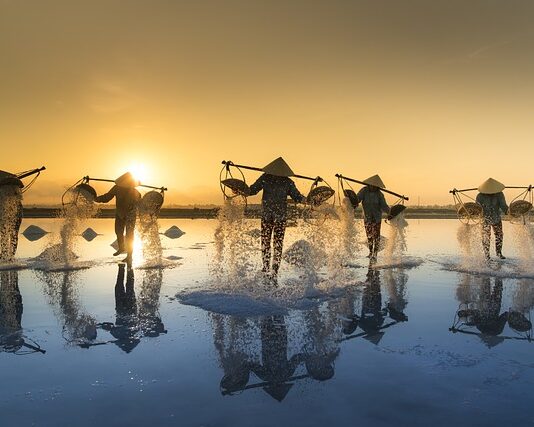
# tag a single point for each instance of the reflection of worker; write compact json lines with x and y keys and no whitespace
{"x":488,"y":318}
{"x":373,"y":203}
{"x":127,"y":198}
{"x":126,"y":325}
{"x":10,"y":215}
{"x":10,"y":311}
{"x":275,"y":368}
{"x":276,"y":186}
{"x":322,"y":347}
{"x":373,"y":316}
{"x":492,"y":200}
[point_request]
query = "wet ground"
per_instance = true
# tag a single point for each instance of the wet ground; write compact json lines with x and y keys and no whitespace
{"x":420,"y":341}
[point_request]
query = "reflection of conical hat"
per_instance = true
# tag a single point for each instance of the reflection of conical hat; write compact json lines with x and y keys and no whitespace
{"x":278,"y":167}
{"x":126,"y":180}
{"x":375,"y":181}
{"x":491,"y":186}
{"x":278,"y":391}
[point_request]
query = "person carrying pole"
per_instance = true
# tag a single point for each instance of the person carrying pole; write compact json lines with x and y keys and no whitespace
{"x":491,"y":198}
{"x":373,"y":204}
{"x":127,"y":199}
{"x":277,"y":186}
{"x":11,"y":211}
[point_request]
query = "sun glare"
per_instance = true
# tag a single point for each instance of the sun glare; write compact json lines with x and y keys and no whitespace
{"x":139,"y":171}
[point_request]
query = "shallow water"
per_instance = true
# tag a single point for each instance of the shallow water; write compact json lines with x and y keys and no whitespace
{"x":169,"y":345}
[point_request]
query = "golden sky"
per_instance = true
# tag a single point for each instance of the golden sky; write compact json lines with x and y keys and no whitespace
{"x":429,"y":94}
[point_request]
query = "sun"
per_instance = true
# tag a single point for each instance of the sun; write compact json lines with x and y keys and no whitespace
{"x":139,"y":171}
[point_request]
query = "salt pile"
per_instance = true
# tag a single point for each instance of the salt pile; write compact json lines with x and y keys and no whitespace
{"x":33,"y":233}
{"x":173,"y":232}
{"x":89,"y":234}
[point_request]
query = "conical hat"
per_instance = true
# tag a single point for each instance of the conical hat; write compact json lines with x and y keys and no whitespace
{"x":278,"y":167}
{"x":126,"y":180}
{"x":375,"y":181}
{"x":491,"y":186}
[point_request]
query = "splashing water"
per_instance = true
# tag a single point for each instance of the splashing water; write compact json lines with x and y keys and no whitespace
{"x":10,"y":217}
{"x":234,"y":246}
{"x":151,"y":241}
{"x":523,"y":239}
{"x":61,"y":249}
{"x":396,"y":243}
{"x":332,"y":244}
{"x":470,"y":241}
{"x":349,"y":232}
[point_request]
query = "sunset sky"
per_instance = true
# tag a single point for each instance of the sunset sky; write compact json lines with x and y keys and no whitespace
{"x":429,"y":94}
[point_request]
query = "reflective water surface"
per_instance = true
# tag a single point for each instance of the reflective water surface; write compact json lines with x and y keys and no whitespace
{"x":413,"y":343}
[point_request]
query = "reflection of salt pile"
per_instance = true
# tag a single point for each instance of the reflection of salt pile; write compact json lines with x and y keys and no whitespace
{"x":233,"y":245}
{"x":396,"y":243}
{"x":469,"y":239}
{"x":74,"y":214}
{"x":10,"y":216}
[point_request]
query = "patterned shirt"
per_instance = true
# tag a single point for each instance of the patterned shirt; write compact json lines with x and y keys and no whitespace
{"x":492,"y":205}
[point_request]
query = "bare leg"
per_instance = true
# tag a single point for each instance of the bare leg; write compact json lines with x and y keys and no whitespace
{"x":129,"y":238}
{"x":120,"y":225}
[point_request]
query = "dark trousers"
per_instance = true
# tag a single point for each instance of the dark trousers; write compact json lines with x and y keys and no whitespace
{"x":486,"y":237}
{"x":372,"y":229}
{"x":124,"y":229}
{"x":272,"y":229}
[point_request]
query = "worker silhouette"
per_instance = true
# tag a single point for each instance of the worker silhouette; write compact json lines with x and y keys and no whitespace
{"x":126,"y":200}
{"x":276,"y":186}
{"x":491,"y":198}
{"x":10,"y":214}
{"x":373,"y":204}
